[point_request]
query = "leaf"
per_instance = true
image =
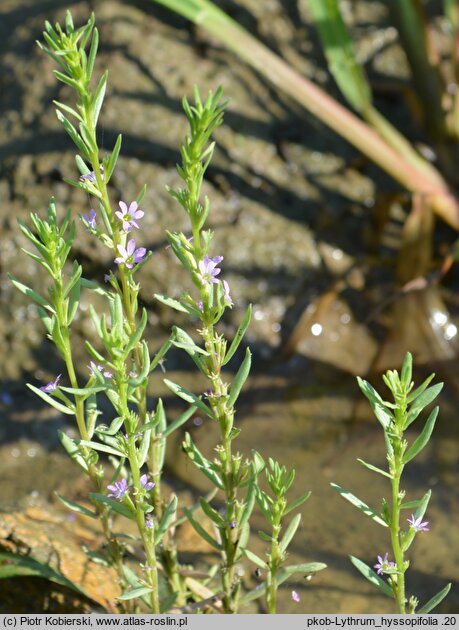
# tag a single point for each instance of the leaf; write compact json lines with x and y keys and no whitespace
{"x":289,"y":533}
{"x":422,"y":401}
{"x":70,"y":129}
{"x":112,"y":160}
{"x":116,"y":506}
{"x":172,"y":303}
{"x":255,"y":559}
{"x":183,"y":393}
{"x":339,"y":51}
{"x":14,"y":565}
{"x":201,"y":531}
{"x":297,"y":502}
{"x":135,"y":337}
{"x":83,"y":391}
{"x":97,"y":446}
{"x":178,"y":422}
{"x":136,"y":592}
{"x":436,"y":599}
{"x":359,"y":504}
{"x":281,"y":577}
{"x":240,"y":378}
{"x":182,"y":339}
{"x":212,"y":514}
{"x":92,"y":54}
{"x":204,"y":465}
{"x":99,"y":98}
{"x":73,"y":450}
{"x":374,"y":468}
{"x":30,"y":293}
{"x":381,"y":412}
{"x":75,"y":507}
{"x":52,"y":401}
{"x":423,"y":438}
{"x":167,"y":519}
{"x":239,"y":335}
{"x":372,"y":576}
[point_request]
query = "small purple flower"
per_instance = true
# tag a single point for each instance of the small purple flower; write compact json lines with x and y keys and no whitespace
{"x":416,"y":524}
{"x":208,"y":270}
{"x":146,"y":485}
{"x":130,"y":255}
{"x":232,"y":524}
{"x":91,"y":176}
{"x":91,"y":219}
{"x":201,"y":306}
{"x":93,"y":368}
{"x":51,"y":386}
{"x":129,"y":215}
{"x":295,"y":596}
{"x":226,"y":294}
{"x":118,"y":489}
{"x":107,"y":277}
{"x":383,"y":564}
{"x":149,"y":523}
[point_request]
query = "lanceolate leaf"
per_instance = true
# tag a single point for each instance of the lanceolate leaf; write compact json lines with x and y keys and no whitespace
{"x":73,"y":450}
{"x":372,"y":576}
{"x":136,"y":592}
{"x":239,"y":335}
{"x":422,"y":401}
{"x":52,"y":401}
{"x":201,"y":531}
{"x":116,"y":506}
{"x":289,"y":533}
{"x":240,"y":378}
{"x":423,"y":438}
{"x":374,"y":468}
{"x":436,"y":599}
{"x":382,"y":413}
{"x":75,"y":507}
{"x":359,"y":504}
{"x":188,"y":396}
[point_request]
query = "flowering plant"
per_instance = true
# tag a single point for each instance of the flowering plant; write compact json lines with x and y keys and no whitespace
{"x":395,"y":417}
{"x":120,"y":367}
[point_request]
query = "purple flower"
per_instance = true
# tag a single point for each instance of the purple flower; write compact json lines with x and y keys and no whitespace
{"x":51,"y":386}
{"x":416,"y":524}
{"x":201,"y":306}
{"x":295,"y":596}
{"x":232,"y":524}
{"x":226,"y":293}
{"x":93,"y":368}
{"x":118,"y":489}
{"x":91,"y":176}
{"x":130,"y":255}
{"x":383,"y":564}
{"x":146,"y":485}
{"x":150,"y":524}
{"x":208,"y":269}
{"x":91,"y":219}
{"x":129,"y":215}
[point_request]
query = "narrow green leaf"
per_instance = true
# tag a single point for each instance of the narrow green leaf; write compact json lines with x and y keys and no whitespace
{"x":289,"y":533}
{"x":372,"y":576}
{"x":167,"y":519}
{"x":116,"y":506}
{"x":183,"y":340}
{"x":201,"y":531}
{"x":92,"y":54}
{"x":97,"y":446}
{"x":436,"y":599}
{"x":68,"y":109}
{"x":339,"y":51}
{"x":15,"y":565}
{"x":167,"y":301}
{"x":239,"y":335}
{"x":99,"y":98}
{"x":114,"y":427}
{"x":418,"y":391}
{"x":73,"y":450}
{"x":30,"y":293}
{"x":255,"y":559}
{"x":113,"y":159}
{"x":70,"y":411}
{"x":284,"y":574}
{"x":136,"y":592}
{"x":83,"y":391}
{"x":422,"y":401}
{"x":75,"y":507}
{"x":136,"y":336}
{"x":381,"y":412}
{"x":297,"y":502}
{"x":423,"y":438}
{"x":407,"y":370}
{"x":359,"y":504}
{"x":240,"y":378}
{"x":183,"y":393}
{"x":374,"y":468}
{"x":212,"y":514}
{"x":204,"y":465}
{"x":178,"y":422}
{"x":78,"y":141}
{"x":65,"y":79}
